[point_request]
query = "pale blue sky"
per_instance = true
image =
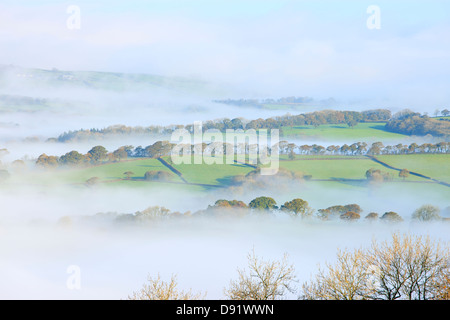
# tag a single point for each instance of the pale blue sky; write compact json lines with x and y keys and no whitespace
{"x":316,"y":47}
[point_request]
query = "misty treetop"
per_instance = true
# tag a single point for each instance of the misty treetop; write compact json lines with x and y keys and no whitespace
{"x":404,"y":122}
{"x":315,"y":118}
{"x":264,"y":206}
{"x":99,"y":154}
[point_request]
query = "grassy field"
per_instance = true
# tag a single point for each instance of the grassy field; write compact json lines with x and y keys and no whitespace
{"x":436,"y":166}
{"x":215,"y":174}
{"x":333,"y":169}
{"x":361,"y":132}
{"x":106,"y":173}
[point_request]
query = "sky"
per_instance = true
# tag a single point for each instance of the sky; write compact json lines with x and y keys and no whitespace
{"x":270,"y":48}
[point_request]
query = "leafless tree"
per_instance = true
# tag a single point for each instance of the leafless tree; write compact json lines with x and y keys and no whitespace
{"x":265,"y":280}
{"x":346,"y":280}
{"x":157,"y":289}
{"x":407,"y":268}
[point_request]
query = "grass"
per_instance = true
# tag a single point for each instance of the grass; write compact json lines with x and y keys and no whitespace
{"x":343,"y":173}
{"x":330,"y":169}
{"x":363,"y":131}
{"x":436,"y":166}
{"x":215,"y":174}
{"x":107,"y":173}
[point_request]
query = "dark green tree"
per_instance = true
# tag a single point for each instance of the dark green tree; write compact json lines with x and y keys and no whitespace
{"x":298,"y":207}
{"x":97,"y":153}
{"x":263,"y":203}
{"x":72,"y":158}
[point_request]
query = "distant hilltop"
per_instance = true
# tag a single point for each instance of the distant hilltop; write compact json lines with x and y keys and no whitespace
{"x":10,"y":75}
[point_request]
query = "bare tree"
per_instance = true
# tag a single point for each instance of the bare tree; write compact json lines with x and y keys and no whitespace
{"x":157,"y":289}
{"x":427,"y":212}
{"x":265,"y":280}
{"x":406,"y":268}
{"x":410,"y":267}
{"x":346,"y":280}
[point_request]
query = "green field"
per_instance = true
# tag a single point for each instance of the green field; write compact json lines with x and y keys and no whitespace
{"x":333,"y":132}
{"x":111,"y":172}
{"x":215,"y":174}
{"x":436,"y":166}
{"x":331,"y":171}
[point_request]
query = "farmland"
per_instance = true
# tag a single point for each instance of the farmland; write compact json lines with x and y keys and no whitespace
{"x":333,"y":132}
{"x":436,"y":166}
{"x":337,"y":171}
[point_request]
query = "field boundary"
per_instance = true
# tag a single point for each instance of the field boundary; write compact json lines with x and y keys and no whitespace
{"x":373,"y":158}
{"x":171,"y":168}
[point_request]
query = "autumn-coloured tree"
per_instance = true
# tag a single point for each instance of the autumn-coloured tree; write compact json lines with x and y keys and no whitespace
{"x":391,"y":216}
{"x":230,"y":204}
{"x":45,"y":161}
{"x":404,"y":173}
{"x":350,"y":216}
{"x":372,"y":216}
{"x":297,"y":207}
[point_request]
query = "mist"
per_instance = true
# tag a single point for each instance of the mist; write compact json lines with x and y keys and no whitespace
{"x":307,"y":49}
{"x":46,"y":229}
{"x":163,"y":64}
{"x":114,"y":261}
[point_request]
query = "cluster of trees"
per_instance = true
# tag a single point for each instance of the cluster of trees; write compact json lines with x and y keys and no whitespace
{"x":260,"y":103}
{"x":99,"y":154}
{"x":405,"y":122}
{"x":17,"y":100}
{"x":91,"y":134}
{"x":254,"y":180}
{"x":362,"y":148}
{"x":96,"y":155}
{"x":157,"y":175}
{"x":296,"y":208}
{"x":405,"y":268}
{"x":315,"y":118}
{"x":300,"y":208}
{"x":412,"y":123}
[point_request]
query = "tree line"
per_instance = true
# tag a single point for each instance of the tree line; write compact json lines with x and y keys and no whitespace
{"x":315,"y":119}
{"x":100,"y":154}
{"x":296,"y":208}
{"x":404,"y":122}
{"x":413,"y":123}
